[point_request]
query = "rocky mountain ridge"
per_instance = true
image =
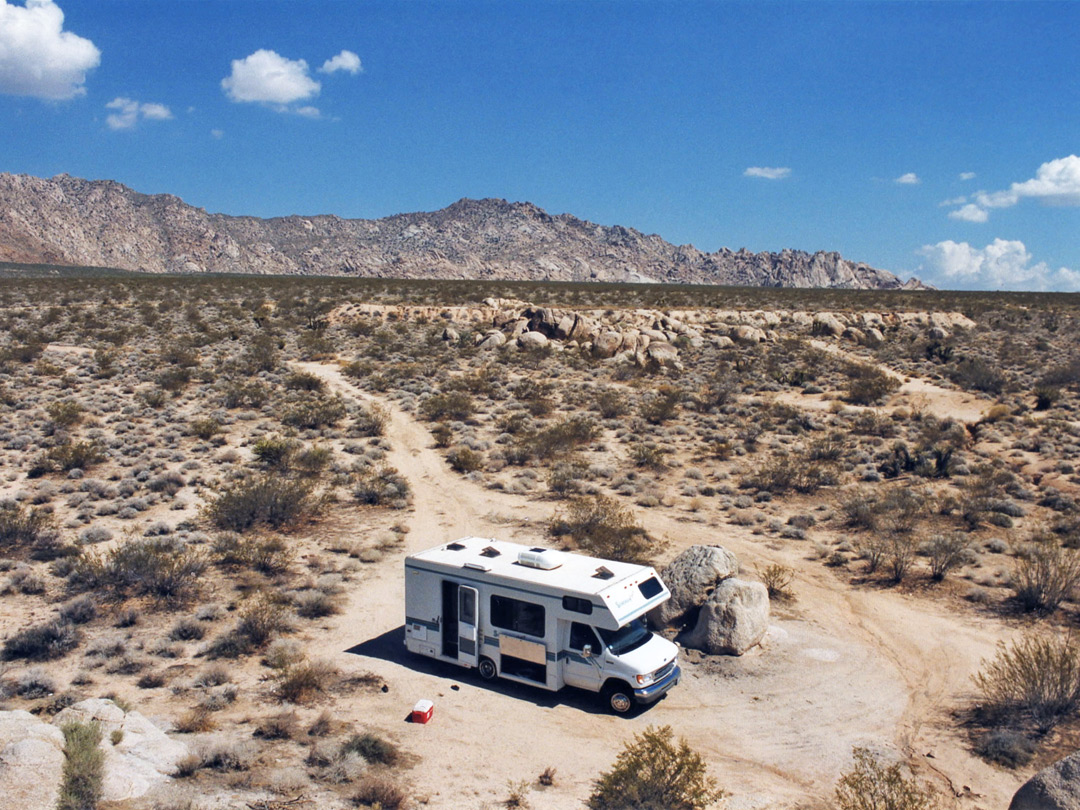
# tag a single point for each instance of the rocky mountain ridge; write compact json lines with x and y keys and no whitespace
{"x":69,"y":221}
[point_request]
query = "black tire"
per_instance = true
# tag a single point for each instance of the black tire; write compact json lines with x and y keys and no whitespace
{"x":487,"y":669}
{"x":619,"y":698}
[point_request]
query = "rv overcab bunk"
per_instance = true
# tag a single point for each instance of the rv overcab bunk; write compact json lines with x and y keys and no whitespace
{"x":542,"y":617}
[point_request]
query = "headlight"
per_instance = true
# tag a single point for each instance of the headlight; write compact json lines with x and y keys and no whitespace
{"x":644,"y":679}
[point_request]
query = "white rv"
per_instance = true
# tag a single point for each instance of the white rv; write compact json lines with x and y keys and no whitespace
{"x":540,"y":616}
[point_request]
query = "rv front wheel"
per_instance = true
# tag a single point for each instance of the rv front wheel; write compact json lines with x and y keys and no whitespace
{"x":619,"y":698}
{"x":487,"y":670}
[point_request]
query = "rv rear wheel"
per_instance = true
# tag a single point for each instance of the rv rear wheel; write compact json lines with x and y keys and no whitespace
{"x":619,"y":698}
{"x":487,"y":670}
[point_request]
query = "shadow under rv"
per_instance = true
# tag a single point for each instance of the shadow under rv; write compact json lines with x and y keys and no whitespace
{"x":540,"y":617}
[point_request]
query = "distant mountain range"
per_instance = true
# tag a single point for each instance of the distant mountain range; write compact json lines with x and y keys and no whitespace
{"x":69,"y":221}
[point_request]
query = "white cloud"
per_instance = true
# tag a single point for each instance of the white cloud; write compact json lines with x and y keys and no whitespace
{"x":967,"y":175}
{"x":129,"y":111}
{"x":1056,"y":182}
{"x":38,"y":57}
{"x":267,"y":77}
{"x":768,"y":172}
{"x":953,"y":201}
{"x":909,"y":179}
{"x":1003,"y":264}
{"x":969,"y":213}
{"x":346,"y":60}
{"x":308,"y":112}
{"x":217,"y":134}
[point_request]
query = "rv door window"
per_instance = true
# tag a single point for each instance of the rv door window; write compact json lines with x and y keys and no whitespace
{"x":582,"y":634}
{"x":517,"y":616}
{"x":577,"y":604}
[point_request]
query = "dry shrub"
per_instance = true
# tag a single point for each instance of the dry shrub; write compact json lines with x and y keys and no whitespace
{"x":195,"y":721}
{"x":872,"y":785}
{"x":1045,"y":575}
{"x":653,"y":772}
{"x":272,"y":500}
{"x":161,"y":568}
{"x":777,"y":579}
{"x":1036,"y":678}
{"x":945,"y":552}
{"x":868,"y":384}
{"x":42,"y":642}
{"x":280,"y":726}
{"x":382,"y":485}
{"x":600,"y":526}
{"x":302,"y":682}
{"x":373,"y":749}
{"x":379,"y":791}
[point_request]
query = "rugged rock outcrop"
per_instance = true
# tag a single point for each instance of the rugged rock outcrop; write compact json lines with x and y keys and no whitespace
{"x":1053,"y":788}
{"x":32,"y":753}
{"x":69,"y":221}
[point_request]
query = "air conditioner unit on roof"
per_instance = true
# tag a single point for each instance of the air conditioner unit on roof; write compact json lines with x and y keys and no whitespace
{"x":543,"y":558}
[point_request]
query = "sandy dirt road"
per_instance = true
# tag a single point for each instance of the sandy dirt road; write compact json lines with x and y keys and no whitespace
{"x":841,"y":667}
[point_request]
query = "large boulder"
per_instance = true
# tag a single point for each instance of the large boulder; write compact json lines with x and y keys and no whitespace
{"x":826,"y":323}
{"x":606,"y":344}
{"x":662,"y":354}
{"x":732,"y":620}
{"x":143,"y":755}
{"x":31,"y":760}
{"x":692,"y":577}
{"x":532,"y":340}
{"x":493,"y":340}
{"x":1053,"y":788}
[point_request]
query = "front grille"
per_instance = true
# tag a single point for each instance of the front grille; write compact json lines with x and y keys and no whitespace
{"x":664,"y":671}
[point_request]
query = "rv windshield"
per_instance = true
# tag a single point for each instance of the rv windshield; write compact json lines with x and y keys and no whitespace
{"x":628,"y":637}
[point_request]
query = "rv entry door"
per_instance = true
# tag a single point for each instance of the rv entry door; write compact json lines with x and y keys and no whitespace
{"x":467,"y":637}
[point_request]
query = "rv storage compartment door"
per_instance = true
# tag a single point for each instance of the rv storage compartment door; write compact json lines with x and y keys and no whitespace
{"x":467,"y":602}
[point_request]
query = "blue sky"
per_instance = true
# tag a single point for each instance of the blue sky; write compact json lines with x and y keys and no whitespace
{"x":932,"y":138}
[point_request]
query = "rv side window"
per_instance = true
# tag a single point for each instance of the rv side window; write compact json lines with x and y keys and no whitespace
{"x":577,"y":605}
{"x":518,"y":616}
{"x":650,"y":587}
{"x":582,"y":634}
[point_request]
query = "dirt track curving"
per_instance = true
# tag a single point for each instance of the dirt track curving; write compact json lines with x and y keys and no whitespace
{"x":841,"y":667}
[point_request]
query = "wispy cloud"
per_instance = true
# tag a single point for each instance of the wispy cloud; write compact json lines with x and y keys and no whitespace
{"x":967,"y":175}
{"x":969,"y":213}
{"x":346,"y":61}
{"x":768,"y":172}
{"x":1002,"y":264}
{"x":908,"y":179}
{"x":38,"y":57}
{"x":128,"y":112}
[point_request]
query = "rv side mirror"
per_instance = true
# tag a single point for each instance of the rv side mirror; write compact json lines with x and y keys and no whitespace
{"x":586,"y":651}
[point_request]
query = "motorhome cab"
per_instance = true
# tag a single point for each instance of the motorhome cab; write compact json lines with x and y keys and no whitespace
{"x":540,"y":616}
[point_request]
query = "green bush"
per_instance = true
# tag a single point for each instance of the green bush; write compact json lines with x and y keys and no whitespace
{"x":24,"y":529}
{"x":978,"y":375}
{"x":872,"y":785}
{"x":64,"y":413}
{"x":76,"y":455}
{"x":84,"y":767}
{"x":600,"y":526}
{"x":245,"y":395}
{"x":653,"y":772}
{"x":304,"y":381}
{"x":314,"y":412}
{"x":454,"y":405}
{"x":559,"y":438}
{"x":204,"y":429}
{"x":662,"y":405}
{"x":868,"y":384}
{"x":270,"y":500}
{"x":371,"y":421}
{"x":1036,"y":678}
{"x":381,"y":485}
{"x":267,"y":555}
{"x":464,"y":460}
{"x":274,"y":451}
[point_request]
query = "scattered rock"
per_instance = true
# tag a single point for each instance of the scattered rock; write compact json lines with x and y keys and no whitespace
{"x":532,"y":340}
{"x":732,"y":620}
{"x":606,"y":344}
{"x":31,"y":760}
{"x":663,"y":354}
{"x":825,"y":323}
{"x":493,"y":340}
{"x":1053,"y":788}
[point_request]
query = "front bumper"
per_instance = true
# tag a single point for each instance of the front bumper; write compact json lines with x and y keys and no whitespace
{"x":655,"y":691}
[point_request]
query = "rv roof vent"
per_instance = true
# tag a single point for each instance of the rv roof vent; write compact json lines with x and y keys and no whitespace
{"x":490,"y":551}
{"x":543,"y":558}
{"x":475,"y":566}
{"x":455,"y":547}
{"x":603,"y":572}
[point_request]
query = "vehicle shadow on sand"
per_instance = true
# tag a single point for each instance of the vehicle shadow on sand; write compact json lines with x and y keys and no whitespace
{"x":390,"y":646}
